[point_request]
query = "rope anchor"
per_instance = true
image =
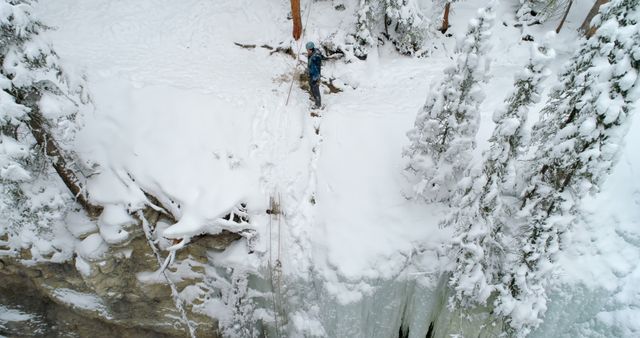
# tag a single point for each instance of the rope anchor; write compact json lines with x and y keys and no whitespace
{"x":274,"y":207}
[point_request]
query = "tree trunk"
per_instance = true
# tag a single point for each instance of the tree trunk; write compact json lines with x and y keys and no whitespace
{"x":386,"y":25}
{"x":445,"y":18}
{"x":564,"y":17}
{"x":52,"y":150}
{"x":297,"y":20}
{"x":586,"y":28}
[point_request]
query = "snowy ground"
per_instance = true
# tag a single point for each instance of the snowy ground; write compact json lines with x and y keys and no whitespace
{"x":194,"y":118}
{"x":183,"y":113}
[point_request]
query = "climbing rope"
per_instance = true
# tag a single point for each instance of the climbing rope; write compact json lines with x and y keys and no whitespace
{"x":275,"y":270}
{"x":275,"y":210}
{"x":271,"y":277}
{"x":304,"y":32}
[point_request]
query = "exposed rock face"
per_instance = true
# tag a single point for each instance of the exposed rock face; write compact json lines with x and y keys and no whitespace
{"x":121,"y":292}
{"x":45,"y":317}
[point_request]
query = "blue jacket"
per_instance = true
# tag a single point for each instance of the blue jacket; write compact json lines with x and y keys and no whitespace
{"x":314,"y":65}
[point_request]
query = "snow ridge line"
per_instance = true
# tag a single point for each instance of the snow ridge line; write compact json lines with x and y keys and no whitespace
{"x":174,"y":289}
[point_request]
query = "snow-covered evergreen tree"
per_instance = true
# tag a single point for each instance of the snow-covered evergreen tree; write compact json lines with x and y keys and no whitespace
{"x":366,"y":18}
{"x":34,"y":92}
{"x":525,"y":14}
{"x":443,"y":137}
{"x":532,"y":12}
{"x":482,"y":218}
{"x":400,"y":21}
{"x":578,"y":139}
{"x":406,"y":26}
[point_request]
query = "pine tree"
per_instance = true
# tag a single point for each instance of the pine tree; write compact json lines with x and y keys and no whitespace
{"x":531,"y":12}
{"x":445,"y":16}
{"x":586,"y":27}
{"x":407,"y":23}
{"x":366,"y":18}
{"x":525,"y":14}
{"x":564,"y":17}
{"x":297,"y":19}
{"x":400,"y":21}
{"x":482,"y":217}
{"x":578,"y":139}
{"x":36,"y":105}
{"x":443,"y":137}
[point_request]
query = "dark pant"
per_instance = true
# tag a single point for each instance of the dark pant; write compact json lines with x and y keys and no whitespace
{"x":315,"y":91}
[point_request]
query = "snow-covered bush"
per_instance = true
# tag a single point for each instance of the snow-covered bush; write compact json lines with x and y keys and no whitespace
{"x":399,"y":21}
{"x":482,"y":221}
{"x":31,"y":197}
{"x":443,"y":137}
{"x":577,"y":140}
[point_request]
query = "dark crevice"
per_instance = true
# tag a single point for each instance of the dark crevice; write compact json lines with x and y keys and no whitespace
{"x":430,"y":331}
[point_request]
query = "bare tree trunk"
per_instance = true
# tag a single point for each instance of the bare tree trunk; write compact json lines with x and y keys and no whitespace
{"x":297,"y":20}
{"x":586,"y":28}
{"x":445,"y":18}
{"x":52,"y":150}
{"x":386,"y":25}
{"x":564,"y":17}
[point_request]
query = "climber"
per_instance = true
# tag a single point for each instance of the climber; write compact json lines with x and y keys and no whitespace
{"x":313,"y":70}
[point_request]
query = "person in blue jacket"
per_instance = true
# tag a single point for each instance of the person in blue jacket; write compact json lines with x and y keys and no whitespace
{"x":313,"y":69}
